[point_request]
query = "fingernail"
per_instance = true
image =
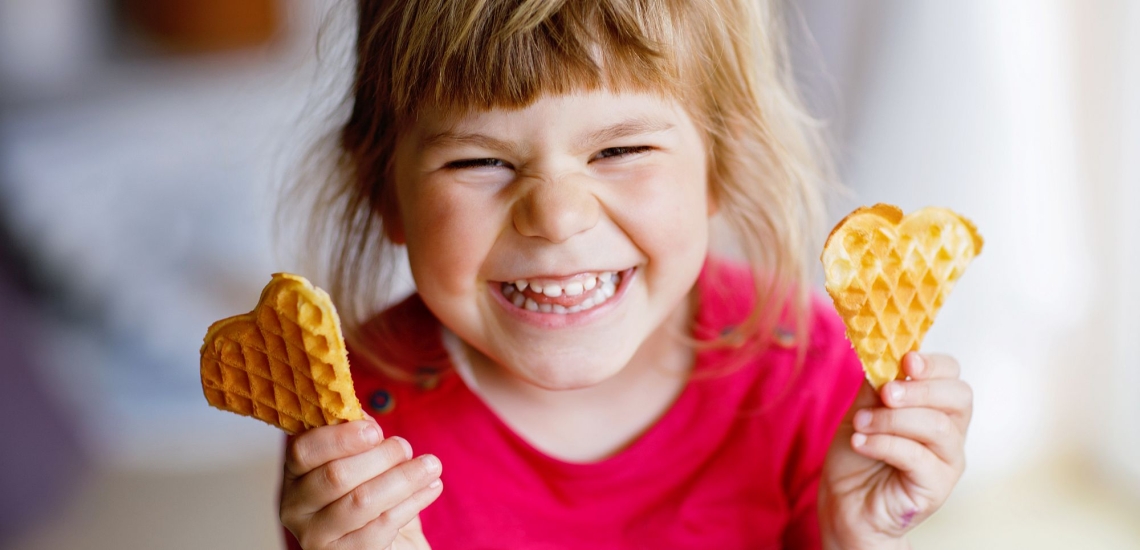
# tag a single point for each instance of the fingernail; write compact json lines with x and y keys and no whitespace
{"x":407,"y":446}
{"x":858,"y":440}
{"x":862,"y":419}
{"x":435,"y":484}
{"x":431,"y":463}
{"x":370,"y":434}
{"x":896,"y":393}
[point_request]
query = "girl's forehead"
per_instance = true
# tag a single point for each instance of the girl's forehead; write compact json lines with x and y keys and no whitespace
{"x":621,"y":112}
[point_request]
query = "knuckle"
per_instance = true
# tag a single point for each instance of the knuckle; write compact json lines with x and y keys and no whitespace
{"x":358,"y":500}
{"x":289,"y":510}
{"x":285,"y":514}
{"x":386,"y":526}
{"x":340,"y":446}
{"x":891,"y":447}
{"x":296,"y":455}
{"x":919,"y":452}
{"x":412,"y":473}
{"x":334,"y":474}
{"x":943,"y":426}
{"x":306,"y":540}
{"x":946,"y":363}
{"x":288,"y":501}
{"x":888,"y":445}
{"x":923,"y":392}
{"x":891,"y":422}
{"x":968,"y":393}
{"x":392,"y":450}
{"x":900,"y":450}
{"x":912,"y":453}
{"x":382,"y":530}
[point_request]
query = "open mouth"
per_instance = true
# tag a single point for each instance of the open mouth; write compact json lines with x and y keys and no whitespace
{"x":565,"y":297}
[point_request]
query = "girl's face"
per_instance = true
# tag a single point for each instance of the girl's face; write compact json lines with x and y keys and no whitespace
{"x":557,"y":238}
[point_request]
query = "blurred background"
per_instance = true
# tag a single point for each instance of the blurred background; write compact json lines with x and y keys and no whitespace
{"x":142,"y":143}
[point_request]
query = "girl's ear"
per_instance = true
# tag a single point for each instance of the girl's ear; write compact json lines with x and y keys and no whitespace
{"x":713,"y":201}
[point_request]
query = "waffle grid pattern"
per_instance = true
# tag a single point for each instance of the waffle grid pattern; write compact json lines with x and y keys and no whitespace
{"x":888,"y":281}
{"x":266,"y":365}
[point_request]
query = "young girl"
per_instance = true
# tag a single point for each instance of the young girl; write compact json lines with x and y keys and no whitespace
{"x":582,"y":369}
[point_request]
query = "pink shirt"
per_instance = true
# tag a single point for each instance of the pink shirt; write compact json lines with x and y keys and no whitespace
{"x":733,"y":463}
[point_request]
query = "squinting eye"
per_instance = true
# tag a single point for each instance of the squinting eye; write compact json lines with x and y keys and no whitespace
{"x":476,"y":163}
{"x":618,"y":152}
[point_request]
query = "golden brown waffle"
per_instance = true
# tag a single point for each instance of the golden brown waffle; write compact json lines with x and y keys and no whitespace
{"x":284,"y":362}
{"x":888,"y":275}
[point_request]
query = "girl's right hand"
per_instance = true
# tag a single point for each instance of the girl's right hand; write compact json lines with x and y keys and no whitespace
{"x":346,"y":487}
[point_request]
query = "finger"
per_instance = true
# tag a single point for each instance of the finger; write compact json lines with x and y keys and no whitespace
{"x":907,"y":455}
{"x":921,"y":366}
{"x":330,"y":481}
{"x":323,"y":444}
{"x":953,"y":397}
{"x":930,"y":427}
{"x":383,"y":531}
{"x":376,"y":496}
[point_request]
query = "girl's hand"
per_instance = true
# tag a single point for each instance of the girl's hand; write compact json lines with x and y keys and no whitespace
{"x":891,"y":467}
{"x":346,"y":487}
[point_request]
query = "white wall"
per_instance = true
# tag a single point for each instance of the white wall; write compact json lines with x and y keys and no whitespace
{"x":1121,"y":444}
{"x":1012,"y":113}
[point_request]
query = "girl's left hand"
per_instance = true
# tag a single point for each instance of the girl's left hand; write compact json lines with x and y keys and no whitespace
{"x":890,"y":467}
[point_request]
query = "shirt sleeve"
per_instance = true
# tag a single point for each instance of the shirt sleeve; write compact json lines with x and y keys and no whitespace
{"x":832,"y":376}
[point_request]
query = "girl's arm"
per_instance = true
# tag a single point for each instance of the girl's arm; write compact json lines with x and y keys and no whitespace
{"x":896,"y":457}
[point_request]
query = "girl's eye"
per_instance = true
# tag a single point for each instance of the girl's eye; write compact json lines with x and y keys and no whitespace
{"x":476,"y":163}
{"x":618,"y":152}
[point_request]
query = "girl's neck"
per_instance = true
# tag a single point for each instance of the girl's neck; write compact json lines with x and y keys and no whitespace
{"x":589,"y":424}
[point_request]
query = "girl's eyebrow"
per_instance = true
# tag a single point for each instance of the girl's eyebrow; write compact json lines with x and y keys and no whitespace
{"x":448,"y":137}
{"x":625,"y":128}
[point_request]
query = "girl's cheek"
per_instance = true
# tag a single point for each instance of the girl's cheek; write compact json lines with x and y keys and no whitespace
{"x":445,"y":234}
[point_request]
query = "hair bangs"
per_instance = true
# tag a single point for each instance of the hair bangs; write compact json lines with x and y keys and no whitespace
{"x":507,"y":53}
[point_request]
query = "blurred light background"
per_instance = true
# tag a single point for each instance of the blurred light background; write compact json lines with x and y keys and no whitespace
{"x":141,"y":144}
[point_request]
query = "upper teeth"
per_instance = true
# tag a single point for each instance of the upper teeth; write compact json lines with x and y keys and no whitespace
{"x":599,"y":289}
{"x":576,"y":287}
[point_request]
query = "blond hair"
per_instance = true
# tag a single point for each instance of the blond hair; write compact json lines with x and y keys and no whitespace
{"x":725,"y":60}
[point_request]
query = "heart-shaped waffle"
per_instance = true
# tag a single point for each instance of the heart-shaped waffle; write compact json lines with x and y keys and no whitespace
{"x":284,"y":363}
{"x":888,"y":275}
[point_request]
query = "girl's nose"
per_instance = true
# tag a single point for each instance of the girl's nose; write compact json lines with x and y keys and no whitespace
{"x":556,"y":209}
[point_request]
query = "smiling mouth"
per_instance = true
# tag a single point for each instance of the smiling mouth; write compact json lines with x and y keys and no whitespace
{"x":564,"y":297}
